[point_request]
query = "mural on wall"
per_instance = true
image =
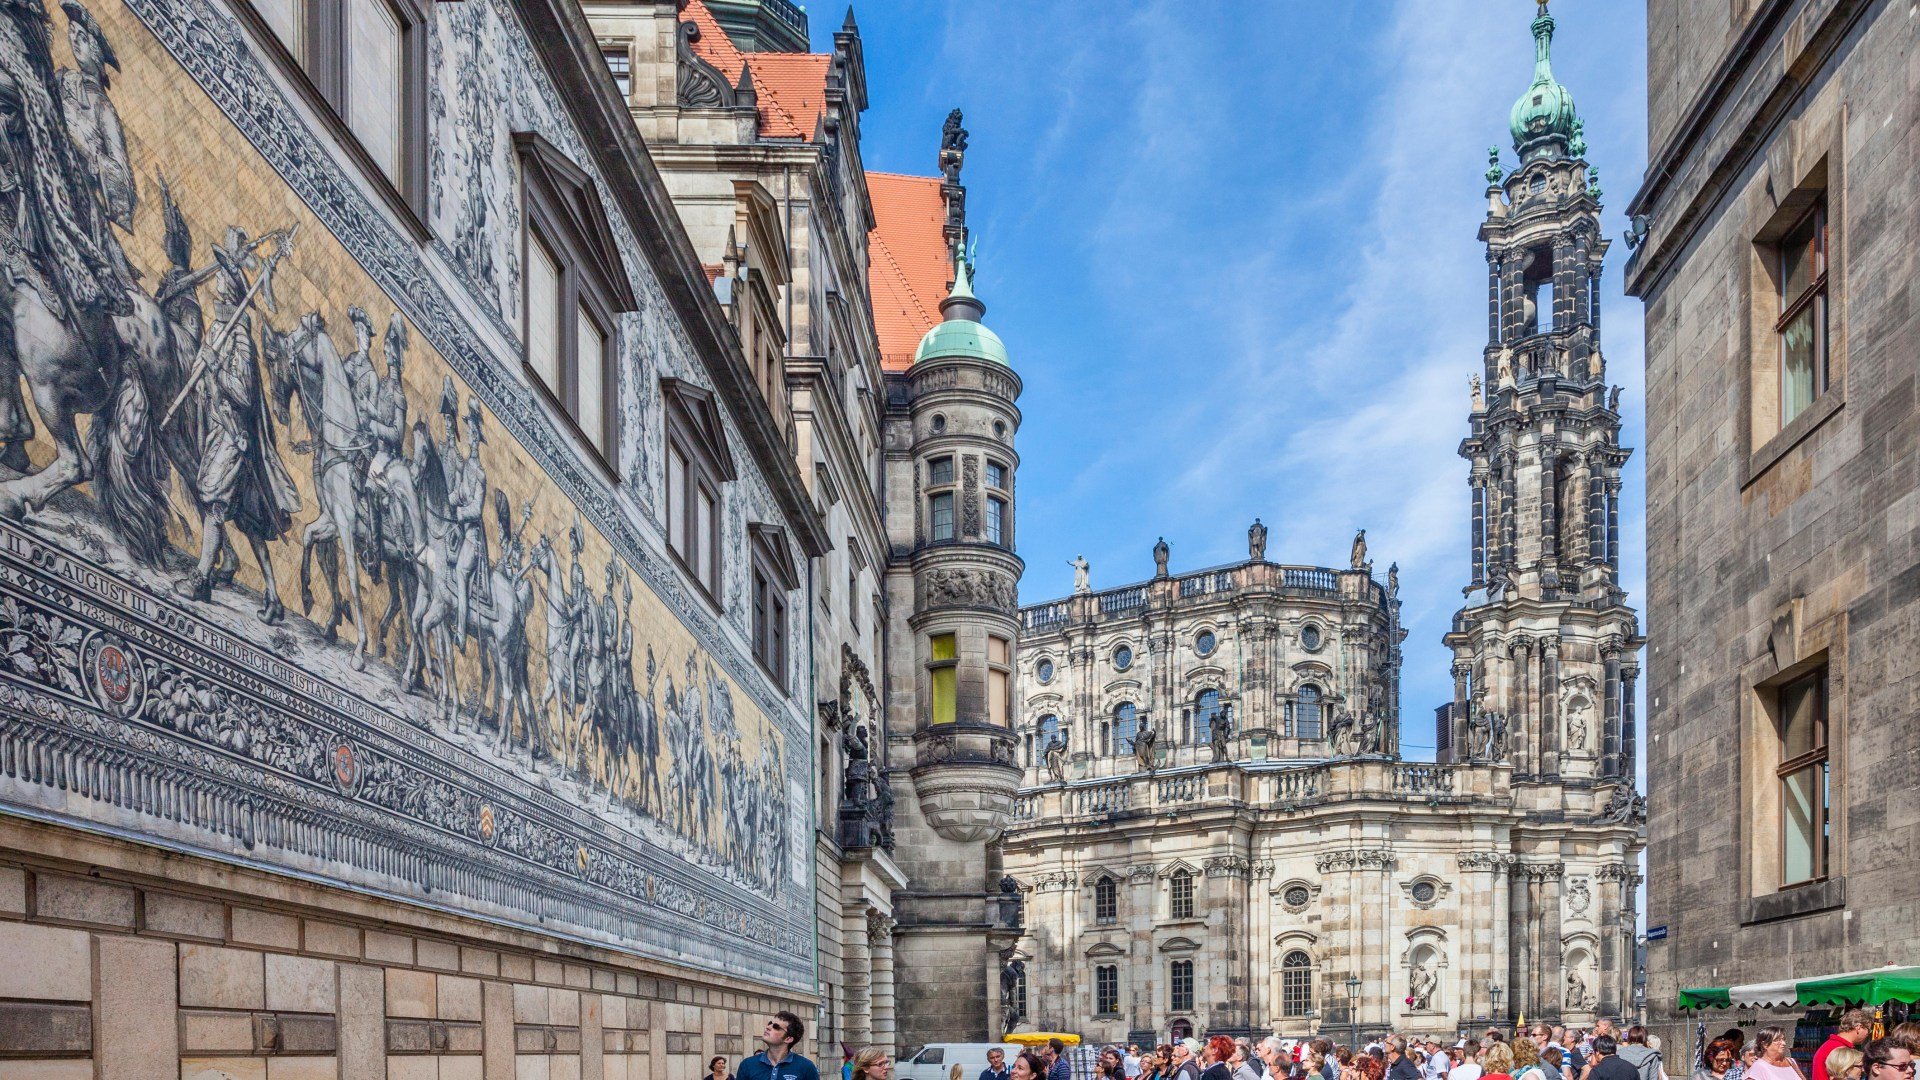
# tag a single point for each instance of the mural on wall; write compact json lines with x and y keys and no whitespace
{"x":344,"y":573}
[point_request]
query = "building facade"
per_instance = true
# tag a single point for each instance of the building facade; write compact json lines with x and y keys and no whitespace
{"x":1775,"y":254}
{"x":404,"y":572}
{"x":849,"y":297}
{"x":1216,"y":829}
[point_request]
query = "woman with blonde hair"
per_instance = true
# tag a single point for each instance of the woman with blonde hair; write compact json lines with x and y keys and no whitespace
{"x":1497,"y":1062}
{"x":873,"y":1064}
{"x":1844,"y":1063}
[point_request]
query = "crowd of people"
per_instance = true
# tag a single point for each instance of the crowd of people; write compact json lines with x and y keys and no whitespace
{"x":1541,"y":1052}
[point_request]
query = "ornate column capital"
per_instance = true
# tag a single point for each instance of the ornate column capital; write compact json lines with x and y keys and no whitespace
{"x":1374,"y":858}
{"x":879,"y":928}
{"x":1495,"y":861}
{"x":1229,"y":866}
{"x":1328,"y":861}
{"x":1549,"y":871}
{"x":1550,"y":645}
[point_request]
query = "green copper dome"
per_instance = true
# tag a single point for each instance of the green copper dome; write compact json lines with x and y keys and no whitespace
{"x":961,"y":332}
{"x":1544,"y":115}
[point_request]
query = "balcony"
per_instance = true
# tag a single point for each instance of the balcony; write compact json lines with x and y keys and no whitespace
{"x":1285,"y":789}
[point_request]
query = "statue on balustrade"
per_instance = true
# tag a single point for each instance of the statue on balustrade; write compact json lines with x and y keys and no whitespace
{"x":1057,"y":759}
{"x":1373,"y":733}
{"x":1257,"y":540}
{"x":1160,"y":555}
{"x":1359,"y":554}
{"x":1145,"y":745}
{"x":1082,"y":574}
{"x":1217,"y":731}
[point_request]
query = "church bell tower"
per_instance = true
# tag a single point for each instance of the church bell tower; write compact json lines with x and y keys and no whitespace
{"x":1544,"y":650}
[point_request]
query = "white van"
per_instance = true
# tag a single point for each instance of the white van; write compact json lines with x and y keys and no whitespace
{"x":935,"y":1061}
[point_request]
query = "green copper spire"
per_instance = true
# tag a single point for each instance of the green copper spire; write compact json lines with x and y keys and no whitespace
{"x":1543,"y":120}
{"x":960,"y":333}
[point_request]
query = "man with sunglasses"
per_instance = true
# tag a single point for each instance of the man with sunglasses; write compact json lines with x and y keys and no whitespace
{"x":1888,"y":1059}
{"x":781,"y":1060}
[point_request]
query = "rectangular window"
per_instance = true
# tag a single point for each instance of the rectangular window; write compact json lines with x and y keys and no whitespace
{"x":543,"y":313}
{"x":620,"y":63}
{"x":706,"y":540}
{"x":1106,"y":989}
{"x":770,"y":626}
{"x":1804,"y":803}
{"x":1180,"y":986}
{"x":1803,"y":314}
{"x":677,"y":477}
{"x":375,"y":82}
{"x":996,"y":521}
{"x":939,"y":471}
{"x":592,"y":395}
{"x":853,"y":599}
{"x":940,"y":516}
{"x":944,"y":667}
{"x":999,"y":681}
{"x":1180,"y":896}
{"x":996,"y":476}
{"x":1106,"y":900}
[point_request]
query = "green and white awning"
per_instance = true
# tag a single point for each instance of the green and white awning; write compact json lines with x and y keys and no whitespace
{"x":1874,"y":986}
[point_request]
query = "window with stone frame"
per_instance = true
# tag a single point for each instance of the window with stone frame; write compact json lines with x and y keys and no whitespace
{"x":1180,"y":986}
{"x":1180,"y":897}
{"x":1106,"y":989}
{"x":1801,"y":329}
{"x":1803,"y":773}
{"x":943,"y":670}
{"x":999,"y":681}
{"x":941,"y":522}
{"x":1126,"y":724}
{"x":1106,"y":900}
{"x":1296,"y":984}
{"x":999,"y":505}
{"x":1206,"y":706}
{"x":774,"y":577}
{"x":1306,"y":712}
{"x":366,"y":61}
{"x":575,"y":286}
{"x":697,"y":465}
{"x":619,"y":58}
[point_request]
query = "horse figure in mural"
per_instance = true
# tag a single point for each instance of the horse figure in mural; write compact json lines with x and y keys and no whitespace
{"x":434,"y":604}
{"x":558,"y":603}
{"x":305,"y":364}
{"x":500,"y":626}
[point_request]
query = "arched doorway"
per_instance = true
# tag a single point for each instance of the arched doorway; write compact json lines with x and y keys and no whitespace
{"x":1180,"y":1029}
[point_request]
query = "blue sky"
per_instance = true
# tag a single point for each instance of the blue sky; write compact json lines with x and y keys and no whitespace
{"x":1231,"y":246}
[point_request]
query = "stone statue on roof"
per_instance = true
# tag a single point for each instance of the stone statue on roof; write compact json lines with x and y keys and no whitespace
{"x":1160,"y":555}
{"x":953,"y":148}
{"x":1256,"y":541}
{"x":1358,"y":556}
{"x":1082,"y":574}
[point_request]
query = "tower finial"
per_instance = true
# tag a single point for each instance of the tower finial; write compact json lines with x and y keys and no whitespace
{"x":953,"y":154}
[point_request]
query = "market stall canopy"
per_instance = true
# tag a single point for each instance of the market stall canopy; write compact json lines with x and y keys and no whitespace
{"x":1873,"y":986}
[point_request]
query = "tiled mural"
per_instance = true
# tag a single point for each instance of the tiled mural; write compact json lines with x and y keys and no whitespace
{"x":294,"y":570}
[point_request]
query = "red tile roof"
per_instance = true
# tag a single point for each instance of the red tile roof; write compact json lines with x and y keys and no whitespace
{"x":909,"y":268}
{"x":792,"y":87}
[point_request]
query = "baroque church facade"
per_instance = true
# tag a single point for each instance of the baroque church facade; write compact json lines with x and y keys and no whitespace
{"x":1215,"y":830}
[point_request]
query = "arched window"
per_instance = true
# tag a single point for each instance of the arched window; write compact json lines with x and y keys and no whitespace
{"x":1126,"y":724}
{"x":1045,"y":733}
{"x":1206,"y":706}
{"x":1306,"y":713}
{"x":1180,"y":899}
{"x":1106,"y":900}
{"x":1296,"y":984}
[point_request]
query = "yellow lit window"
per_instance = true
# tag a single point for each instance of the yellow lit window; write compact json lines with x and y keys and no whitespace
{"x":944,"y":670}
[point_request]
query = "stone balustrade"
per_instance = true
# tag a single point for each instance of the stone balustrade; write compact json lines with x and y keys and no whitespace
{"x":1354,"y":780}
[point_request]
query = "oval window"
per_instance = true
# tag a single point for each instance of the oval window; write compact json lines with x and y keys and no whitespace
{"x":1123,"y":657}
{"x":1205,"y":643}
{"x":1310,"y":638}
{"x":1044,"y":672}
{"x":1423,"y":892}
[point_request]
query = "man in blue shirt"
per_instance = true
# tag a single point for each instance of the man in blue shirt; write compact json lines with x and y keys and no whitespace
{"x":996,"y":1065}
{"x":1057,"y":1065}
{"x":781,"y":1059}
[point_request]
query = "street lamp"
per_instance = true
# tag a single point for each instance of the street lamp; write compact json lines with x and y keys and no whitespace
{"x":1494,"y":992}
{"x":1353,"y":1006}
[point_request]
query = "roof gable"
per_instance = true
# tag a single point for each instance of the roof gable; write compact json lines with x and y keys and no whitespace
{"x":909,"y":267}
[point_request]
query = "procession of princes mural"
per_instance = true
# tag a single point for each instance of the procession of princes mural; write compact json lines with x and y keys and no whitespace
{"x":284,"y":469}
